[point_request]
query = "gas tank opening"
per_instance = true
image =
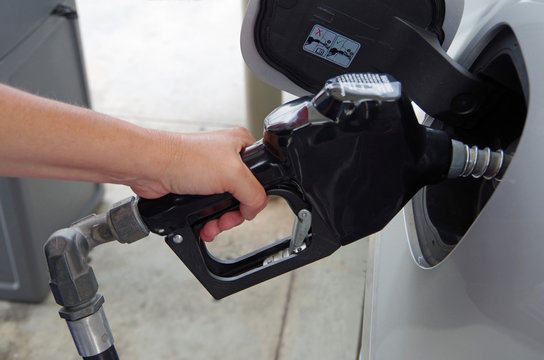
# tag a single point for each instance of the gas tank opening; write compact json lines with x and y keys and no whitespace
{"x":440,"y":215}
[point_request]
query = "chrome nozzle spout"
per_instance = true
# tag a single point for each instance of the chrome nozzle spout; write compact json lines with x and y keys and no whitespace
{"x":478,"y":163}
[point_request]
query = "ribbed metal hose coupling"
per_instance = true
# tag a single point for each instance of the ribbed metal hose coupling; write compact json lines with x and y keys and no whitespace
{"x":478,"y":163}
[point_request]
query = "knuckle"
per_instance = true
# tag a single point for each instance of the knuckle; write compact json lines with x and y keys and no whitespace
{"x":243,"y":133}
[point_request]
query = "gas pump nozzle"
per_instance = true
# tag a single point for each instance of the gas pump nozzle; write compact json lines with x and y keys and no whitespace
{"x":346,"y":161}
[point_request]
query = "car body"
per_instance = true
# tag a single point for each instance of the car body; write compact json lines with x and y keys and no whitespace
{"x":485,"y":299}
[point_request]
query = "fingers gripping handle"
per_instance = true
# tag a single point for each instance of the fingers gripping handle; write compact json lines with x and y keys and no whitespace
{"x":172,"y":212}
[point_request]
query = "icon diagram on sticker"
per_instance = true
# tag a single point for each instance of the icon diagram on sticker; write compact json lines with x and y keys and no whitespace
{"x":331,"y":46}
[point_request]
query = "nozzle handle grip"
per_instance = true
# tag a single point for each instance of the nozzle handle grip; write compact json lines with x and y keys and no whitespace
{"x":180,"y":217}
{"x":222,"y":278}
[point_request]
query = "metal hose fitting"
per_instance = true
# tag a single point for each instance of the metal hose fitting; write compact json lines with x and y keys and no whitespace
{"x":478,"y":163}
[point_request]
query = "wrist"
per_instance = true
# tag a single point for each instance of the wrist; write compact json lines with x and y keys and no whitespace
{"x":155,"y":153}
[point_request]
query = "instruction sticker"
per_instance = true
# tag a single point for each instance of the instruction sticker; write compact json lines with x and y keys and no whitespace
{"x":331,"y":46}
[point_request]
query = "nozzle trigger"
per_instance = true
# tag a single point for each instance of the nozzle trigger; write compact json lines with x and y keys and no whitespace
{"x":301,"y":229}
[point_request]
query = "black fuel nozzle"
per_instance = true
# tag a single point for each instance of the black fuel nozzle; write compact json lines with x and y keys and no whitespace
{"x":362,"y":154}
{"x":346,"y":160}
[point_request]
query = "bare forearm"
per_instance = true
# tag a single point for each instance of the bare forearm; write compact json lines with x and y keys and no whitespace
{"x":43,"y":138}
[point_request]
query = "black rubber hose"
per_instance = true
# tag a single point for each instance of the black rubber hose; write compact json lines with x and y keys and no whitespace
{"x":110,"y":354}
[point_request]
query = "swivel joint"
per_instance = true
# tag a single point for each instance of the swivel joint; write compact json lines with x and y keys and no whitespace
{"x":73,"y":282}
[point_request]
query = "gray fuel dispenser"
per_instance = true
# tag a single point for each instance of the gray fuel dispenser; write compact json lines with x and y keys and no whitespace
{"x":40,"y":53}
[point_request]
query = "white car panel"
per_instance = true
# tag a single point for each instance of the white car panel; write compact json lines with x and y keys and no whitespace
{"x":486,"y":299}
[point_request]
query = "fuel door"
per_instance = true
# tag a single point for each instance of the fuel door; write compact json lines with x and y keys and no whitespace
{"x":443,"y":213}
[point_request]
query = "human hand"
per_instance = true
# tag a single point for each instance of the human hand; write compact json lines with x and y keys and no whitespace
{"x":53,"y":140}
{"x":204,"y":163}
